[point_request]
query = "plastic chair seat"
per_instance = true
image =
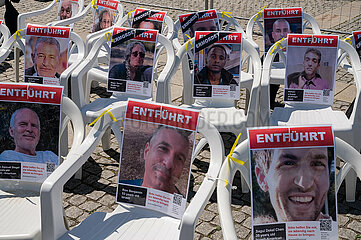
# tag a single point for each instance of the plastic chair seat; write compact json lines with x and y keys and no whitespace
{"x":24,"y":220}
{"x":126,"y":222}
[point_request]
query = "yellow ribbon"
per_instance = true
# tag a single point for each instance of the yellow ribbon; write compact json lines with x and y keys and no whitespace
{"x":109,"y":36}
{"x":129,"y":13}
{"x":189,"y":41}
{"x":226,"y":14}
{"x":229,"y":156}
{"x":277,"y":44}
{"x":101,"y":115}
{"x":17,"y":33}
{"x":94,"y":3}
{"x":259,"y":13}
{"x":348,"y":40}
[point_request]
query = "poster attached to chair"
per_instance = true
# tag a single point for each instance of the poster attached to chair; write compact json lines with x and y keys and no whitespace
{"x":148,"y":19}
{"x":278,"y":22}
{"x":217,"y":65}
{"x":132,"y":59}
{"x":104,"y":14}
{"x":293,"y":183}
{"x":311,"y":65}
{"x":357,"y":37}
{"x":29,"y":135}
{"x":46,"y":55}
{"x":156,"y":156}
{"x":67,"y":9}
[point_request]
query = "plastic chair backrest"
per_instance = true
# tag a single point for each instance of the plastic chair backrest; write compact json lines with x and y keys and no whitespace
{"x":265,"y":82}
{"x":5,"y":33}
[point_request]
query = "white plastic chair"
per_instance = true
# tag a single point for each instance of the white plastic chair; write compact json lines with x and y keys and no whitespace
{"x":278,"y":68}
{"x":343,"y":150}
{"x":20,"y":201}
{"x":4,"y":33}
{"x":125,"y":222}
{"x":345,"y":128}
{"x":78,"y":45}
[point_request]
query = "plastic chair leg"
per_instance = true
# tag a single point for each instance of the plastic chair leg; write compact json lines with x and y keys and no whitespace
{"x":350,"y":182}
{"x":17,"y":59}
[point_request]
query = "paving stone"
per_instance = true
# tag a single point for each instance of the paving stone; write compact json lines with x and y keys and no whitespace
{"x":95,"y":195}
{"x":207,"y":216}
{"x":105,"y":209}
{"x":90,"y":206}
{"x":216,"y":221}
{"x":205,"y":228}
{"x":213,"y":207}
{"x":247,"y":210}
{"x":242,"y":232}
{"x":196,"y":236}
{"x":73,"y":212}
{"x":238,"y":217}
{"x":77,"y":200}
{"x":107,"y":200}
{"x":248,"y":223}
{"x":355,"y":225}
{"x":83,"y":189}
{"x":83,"y":217}
{"x":346,"y":233}
{"x":342,"y":220}
{"x":218,"y":235}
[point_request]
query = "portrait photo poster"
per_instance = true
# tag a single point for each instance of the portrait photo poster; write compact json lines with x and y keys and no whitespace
{"x":278,"y":22}
{"x":357,"y":43}
{"x":148,"y":19}
{"x":67,"y":9}
{"x":293,"y":183}
{"x":155,"y":157}
{"x":217,"y":65}
{"x":311,"y":64}
{"x":105,"y":13}
{"x":46,"y":55}
{"x":132,"y":59}
{"x":29,"y":135}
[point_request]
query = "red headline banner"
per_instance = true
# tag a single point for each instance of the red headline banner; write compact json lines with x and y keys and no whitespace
{"x":235,"y":37}
{"x":282,"y":12}
{"x":356,"y":35}
{"x":286,"y":137}
{"x":162,"y":114}
{"x":48,"y":31}
{"x":207,"y":15}
{"x":31,"y":93}
{"x":312,"y":40}
{"x":149,"y":35}
{"x":108,"y":4}
{"x":157,"y":16}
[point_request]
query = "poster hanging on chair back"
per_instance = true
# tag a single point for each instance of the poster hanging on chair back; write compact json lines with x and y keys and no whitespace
{"x":132,"y":59}
{"x":29,"y":135}
{"x":293,"y":183}
{"x":357,"y":38}
{"x":278,"y":22}
{"x":148,"y":19}
{"x":217,"y":65}
{"x":156,"y":156}
{"x":46,"y":55}
{"x":311,"y":65}
{"x":67,"y":9}
{"x":104,"y":14}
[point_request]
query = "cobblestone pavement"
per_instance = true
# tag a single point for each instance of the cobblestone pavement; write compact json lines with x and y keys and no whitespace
{"x":95,"y":192}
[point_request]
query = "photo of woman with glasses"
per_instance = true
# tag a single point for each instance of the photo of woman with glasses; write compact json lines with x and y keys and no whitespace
{"x":132,"y":68}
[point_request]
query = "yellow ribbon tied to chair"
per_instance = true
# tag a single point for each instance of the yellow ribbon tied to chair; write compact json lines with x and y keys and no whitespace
{"x":101,"y":115}
{"x":189,"y":41}
{"x":17,"y":33}
{"x":228,"y":14}
{"x":129,"y":14}
{"x":277,"y":44}
{"x":229,"y":156}
{"x":109,"y":36}
{"x":348,"y":40}
{"x":94,"y":4}
{"x":259,"y":14}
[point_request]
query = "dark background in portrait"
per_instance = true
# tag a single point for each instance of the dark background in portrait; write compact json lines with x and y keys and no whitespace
{"x":261,"y":201}
{"x":157,"y":25}
{"x":49,"y":116}
{"x":136,"y":135}
{"x":117,"y":54}
{"x":295,"y":25}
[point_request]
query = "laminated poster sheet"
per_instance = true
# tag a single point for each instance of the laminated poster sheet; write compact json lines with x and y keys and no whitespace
{"x":293,"y":188}
{"x":357,"y":37}
{"x":148,"y":19}
{"x":46,"y":56}
{"x":104,"y":14}
{"x":155,"y":161}
{"x":132,"y":59}
{"x":311,"y":65}
{"x":29,"y":135}
{"x":217,"y":65}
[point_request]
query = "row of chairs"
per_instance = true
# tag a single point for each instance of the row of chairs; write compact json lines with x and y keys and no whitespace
{"x":86,"y":68}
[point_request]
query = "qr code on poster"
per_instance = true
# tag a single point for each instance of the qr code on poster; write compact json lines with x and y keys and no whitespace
{"x":233,"y":88}
{"x":326,"y":92}
{"x":145,"y":84}
{"x":50,"y":167}
{"x":326,"y":225}
{"x":177,"y":199}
